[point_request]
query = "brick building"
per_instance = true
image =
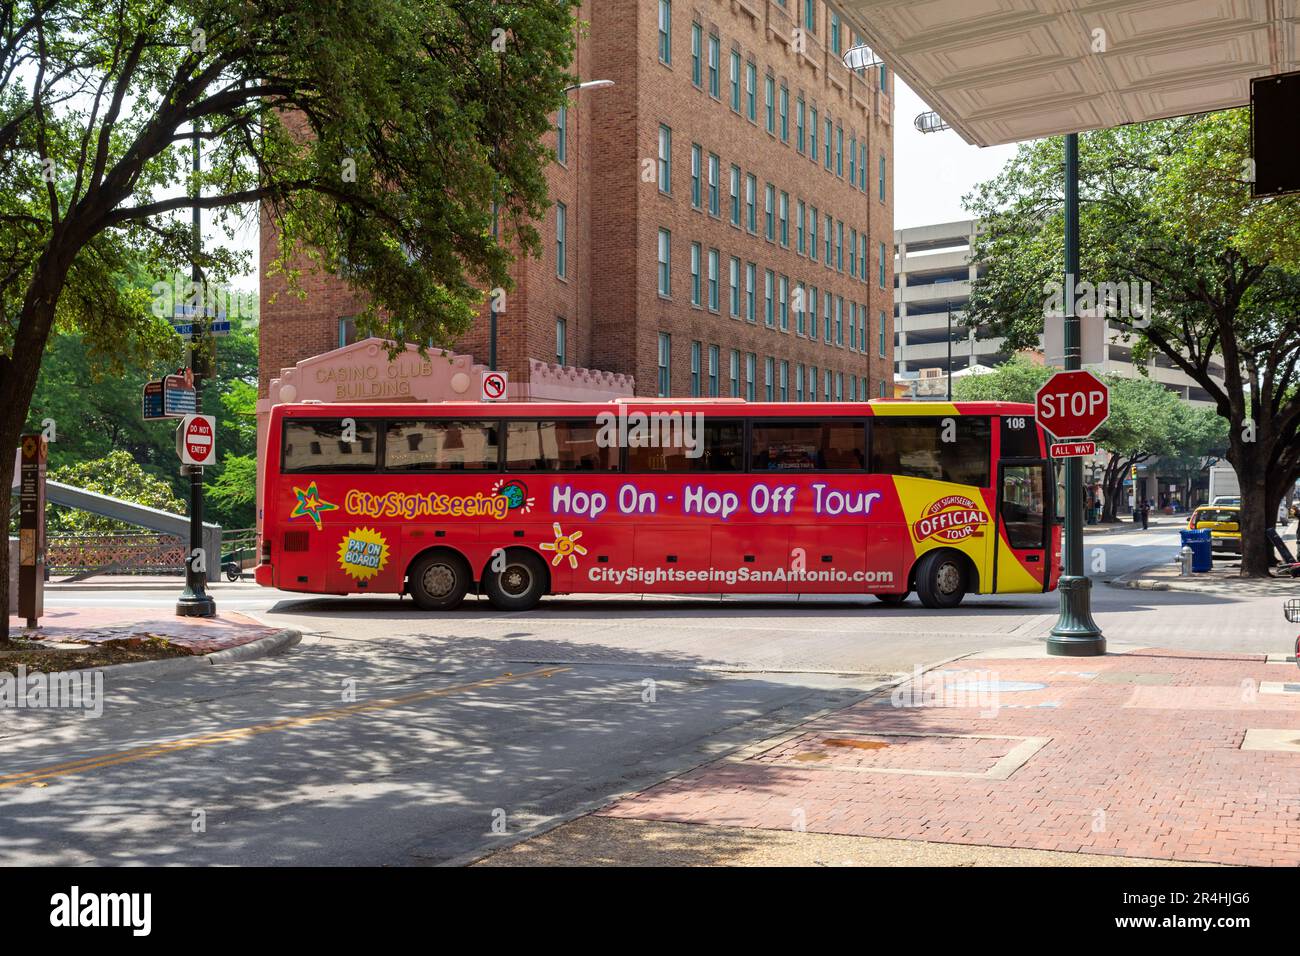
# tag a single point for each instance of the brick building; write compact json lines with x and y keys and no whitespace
{"x":722,"y":219}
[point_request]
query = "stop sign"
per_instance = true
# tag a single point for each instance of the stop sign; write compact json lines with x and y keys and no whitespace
{"x":1072,"y":404}
{"x":196,"y":439}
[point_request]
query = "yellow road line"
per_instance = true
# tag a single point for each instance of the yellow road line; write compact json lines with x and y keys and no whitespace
{"x":241,"y":733}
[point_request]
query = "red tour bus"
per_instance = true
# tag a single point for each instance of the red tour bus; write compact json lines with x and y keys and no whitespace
{"x":518,"y":501}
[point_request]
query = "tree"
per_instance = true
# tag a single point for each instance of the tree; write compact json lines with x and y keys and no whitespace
{"x":116,"y":474}
{"x":1146,"y":419}
{"x":378,"y":135}
{"x":1166,"y":205}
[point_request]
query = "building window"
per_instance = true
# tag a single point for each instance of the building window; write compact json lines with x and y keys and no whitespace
{"x":714,"y":357}
{"x":562,"y":135}
{"x":801,"y":307}
{"x":812,"y":134}
{"x":735,"y":81}
{"x":862,"y":256}
{"x":751,"y":362}
{"x":881,"y":179}
{"x":769,"y":212}
{"x":799,"y":214}
{"x":853,"y":389}
{"x":798,"y":124}
{"x":735,"y":374}
{"x":769,"y":102}
{"x":751,"y":271}
{"x":696,"y":356}
{"x":697,"y":40}
{"x":839,"y":246}
{"x":695,"y":273}
{"x":751,"y":193}
{"x":853,"y":326}
{"x":812,"y":384}
{"x":829,"y":145}
{"x":839,"y":321}
{"x":810,"y":16}
{"x":862,"y":166}
{"x":715,"y":174}
{"x":769,"y":312}
{"x":853,"y":160}
{"x":884,"y":78}
{"x":784,"y":214}
{"x":798,"y":383}
{"x":785,"y":113}
{"x":751,"y":91}
{"x":665,"y":250}
{"x":561,"y":240}
{"x":882,"y":265}
{"x":835,"y":33}
{"x":839,"y":151}
{"x":665,"y":364}
{"x":769,"y":386}
{"x":839,"y":386}
{"x":785,"y":380}
{"x":812,"y":233}
{"x":783,"y":299}
{"x":697,"y":160}
{"x":853,"y":259}
{"x":813,"y":326}
{"x":713,"y":280}
{"x":733,"y":284}
{"x":828,"y":326}
{"x":735,"y":196}
{"x":347,"y":331}
{"x":665,"y":31}
{"x":881,"y":347}
{"x":665,"y":160}
{"x":882,"y":388}
{"x":561,"y":342}
{"x":830,"y":240}
{"x":715,"y":51}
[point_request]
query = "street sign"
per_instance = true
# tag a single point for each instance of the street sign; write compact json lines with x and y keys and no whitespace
{"x":186,"y":317}
{"x":1072,"y":404}
{"x":494,"y":386}
{"x":170,"y":397}
{"x":196,"y":440}
{"x":1074,"y":449}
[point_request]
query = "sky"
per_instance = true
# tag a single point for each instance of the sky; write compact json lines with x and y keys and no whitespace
{"x":932,"y":171}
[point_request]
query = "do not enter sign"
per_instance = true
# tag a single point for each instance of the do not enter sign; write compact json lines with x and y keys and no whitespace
{"x":196,"y":440}
{"x":1072,"y":404}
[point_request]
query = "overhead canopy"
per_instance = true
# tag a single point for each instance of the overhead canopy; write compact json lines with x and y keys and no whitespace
{"x":1000,"y":71}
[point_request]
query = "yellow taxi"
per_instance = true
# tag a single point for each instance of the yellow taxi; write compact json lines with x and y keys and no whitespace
{"x":1224,"y":524}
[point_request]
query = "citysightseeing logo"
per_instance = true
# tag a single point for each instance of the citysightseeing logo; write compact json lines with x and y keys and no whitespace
{"x":953,"y":518}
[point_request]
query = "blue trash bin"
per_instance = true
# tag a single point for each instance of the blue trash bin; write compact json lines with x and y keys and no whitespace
{"x":1202,"y":555}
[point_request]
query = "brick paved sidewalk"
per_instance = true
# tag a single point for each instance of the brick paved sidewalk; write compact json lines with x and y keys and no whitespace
{"x":1144,"y":754}
{"x":95,"y":625}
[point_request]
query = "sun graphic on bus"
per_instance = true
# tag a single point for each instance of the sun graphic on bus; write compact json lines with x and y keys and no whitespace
{"x":565,"y":546}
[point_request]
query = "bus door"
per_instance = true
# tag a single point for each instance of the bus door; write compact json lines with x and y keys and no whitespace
{"x":1024,"y":526}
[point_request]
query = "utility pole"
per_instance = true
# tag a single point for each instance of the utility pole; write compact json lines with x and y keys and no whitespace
{"x":195,"y":600}
{"x":1075,"y":633}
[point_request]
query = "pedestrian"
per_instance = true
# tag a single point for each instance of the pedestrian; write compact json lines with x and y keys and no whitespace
{"x":1146,"y":514}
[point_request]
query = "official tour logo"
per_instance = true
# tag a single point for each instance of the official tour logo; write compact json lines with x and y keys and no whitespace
{"x":363,"y":553}
{"x":953,"y":518}
{"x":565,"y":546}
{"x":310,"y":504}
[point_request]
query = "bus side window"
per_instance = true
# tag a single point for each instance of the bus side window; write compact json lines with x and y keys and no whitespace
{"x":1020,"y":437}
{"x":433,"y":445}
{"x":718,"y":447}
{"x":319,"y":445}
{"x":916,"y":448}
{"x":557,"y":446}
{"x":808,"y":446}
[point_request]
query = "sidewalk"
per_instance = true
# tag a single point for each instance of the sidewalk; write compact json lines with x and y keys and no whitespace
{"x":142,"y":582}
{"x":1223,"y":579}
{"x":1119,"y":527}
{"x":1144,"y":755}
{"x":101,"y":625}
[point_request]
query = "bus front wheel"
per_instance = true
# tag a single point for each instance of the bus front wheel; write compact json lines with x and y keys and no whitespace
{"x":519,"y":584}
{"x":439,"y":581}
{"x":941,"y":579}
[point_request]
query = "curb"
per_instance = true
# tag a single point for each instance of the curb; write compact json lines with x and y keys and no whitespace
{"x":53,"y":588}
{"x":262,"y":647}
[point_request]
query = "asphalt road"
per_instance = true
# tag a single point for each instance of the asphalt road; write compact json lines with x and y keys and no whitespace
{"x":396,"y":737}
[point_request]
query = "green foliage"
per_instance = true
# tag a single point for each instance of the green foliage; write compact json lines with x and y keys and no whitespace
{"x":235,"y":490}
{"x":116,"y":474}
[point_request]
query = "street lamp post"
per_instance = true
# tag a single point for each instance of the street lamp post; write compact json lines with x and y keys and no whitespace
{"x":1075,"y":633}
{"x":492,"y":317}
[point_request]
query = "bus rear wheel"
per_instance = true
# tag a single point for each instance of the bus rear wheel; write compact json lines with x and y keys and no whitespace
{"x":941,"y":579}
{"x":520,"y":583}
{"x":439,"y":581}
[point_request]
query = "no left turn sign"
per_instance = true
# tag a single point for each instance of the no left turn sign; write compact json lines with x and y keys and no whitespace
{"x":494,"y":386}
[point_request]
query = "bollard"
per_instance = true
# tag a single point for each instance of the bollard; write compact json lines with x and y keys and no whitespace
{"x":1185,"y":562}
